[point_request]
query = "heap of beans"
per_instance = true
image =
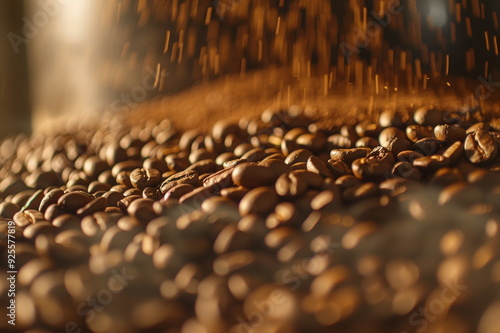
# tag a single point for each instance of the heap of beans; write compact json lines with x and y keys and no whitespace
{"x":288,"y":223}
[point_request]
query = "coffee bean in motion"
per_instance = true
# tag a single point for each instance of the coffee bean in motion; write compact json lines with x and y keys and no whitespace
{"x":481,"y":147}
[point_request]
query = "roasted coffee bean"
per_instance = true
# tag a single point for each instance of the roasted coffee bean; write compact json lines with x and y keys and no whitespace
{"x":300,"y":155}
{"x":478,"y":126}
{"x":277,"y":166}
{"x":462,"y":194}
{"x":32,"y":231}
{"x":178,"y":191}
{"x":406,"y":170}
{"x":418,"y":132}
{"x":53,"y":211}
{"x":428,"y":116}
{"x":201,"y":154}
{"x":481,"y":147}
{"x":141,"y":178}
{"x":314,"y":164}
{"x":397,"y":186}
{"x":106,"y":178}
{"x":408,"y":156}
{"x":220,"y":205}
{"x":299,"y":166}
{"x":390,"y":118}
{"x":339,"y":141}
{"x":314,"y":142}
{"x":366,"y":142}
{"x":125,"y":166}
{"x":196,"y":197}
{"x":371,"y":170}
{"x":176,"y":163}
{"x":234,"y":193}
{"x":252,"y":175}
{"x":76,"y":188}
{"x":325,"y":200}
{"x":21,"y":198}
{"x":397,"y":145}
{"x":94,"y":166}
{"x":449,"y":133}
{"x":225,"y":157}
{"x":66,"y":222}
{"x":96,"y":186}
{"x":221,"y":179}
{"x":390,"y":133}
{"x":233,"y":163}
{"x":142,"y":209}
{"x":125,"y":202}
{"x":291,"y":185}
{"x":260,"y":200}
{"x":348,"y":155}
{"x":254,"y":155}
{"x":42,"y":179}
{"x":185,"y":177}
{"x":338,"y":168}
{"x":153,"y":163}
{"x":367,"y":128}
{"x":8,"y":209}
{"x":96,"y":205}
{"x":446,"y":176}
{"x":360,"y":192}
{"x":113,"y":197}
{"x":203,"y":166}
{"x":21,"y":219}
{"x":223,"y":128}
{"x":381,"y":155}
{"x":73,"y":201}
{"x":123,"y":178}
{"x":454,"y":152}
{"x":430,"y":164}
{"x":427,"y":146}
{"x":152,"y":193}
{"x":132,"y":191}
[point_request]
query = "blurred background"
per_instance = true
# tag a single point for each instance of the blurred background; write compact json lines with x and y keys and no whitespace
{"x":67,"y":57}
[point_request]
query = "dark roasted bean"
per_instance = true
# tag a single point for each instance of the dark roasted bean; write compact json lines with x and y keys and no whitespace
{"x":132,"y":191}
{"x":142,"y":209}
{"x":348,"y":155}
{"x":141,"y":178}
{"x":73,"y":201}
{"x":278,"y":167}
{"x":300,"y":155}
{"x":367,"y":128}
{"x":314,"y":164}
{"x":125,"y":166}
{"x":408,"y":156}
{"x":371,"y":170}
{"x":260,"y":200}
{"x":203,"y":166}
{"x":124,"y":203}
{"x":252,"y":175}
{"x":96,"y":205}
{"x":123,"y":178}
{"x":152,"y":193}
{"x":406,"y":170}
{"x":427,"y":146}
{"x":454,"y":152}
{"x":390,"y":118}
{"x":390,"y":133}
{"x":113,"y":197}
{"x":446,"y":176}
{"x":338,"y":168}
{"x":8,"y":209}
{"x":417,"y":132}
{"x":397,"y":145}
{"x":185,"y":177}
{"x":430,"y":164}
{"x":449,"y":133}
{"x":366,"y":142}
{"x":481,"y":147}
{"x":53,"y":211}
{"x":178,"y":191}
{"x":96,"y":186}
{"x":428,"y":116}
{"x":234,"y":193}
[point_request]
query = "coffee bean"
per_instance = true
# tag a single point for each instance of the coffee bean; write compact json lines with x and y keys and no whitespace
{"x":234,"y":193}
{"x":73,"y":201}
{"x":408,"y":156}
{"x":125,"y":166}
{"x":339,"y":141}
{"x":142,"y":209}
{"x":367,"y":128}
{"x":260,"y":200}
{"x":449,"y":133}
{"x":113,"y":197}
{"x":314,"y":164}
{"x":185,"y":177}
{"x":96,"y":186}
{"x":94,"y":166}
{"x":311,"y":141}
{"x":201,"y":154}
{"x":478,"y":126}
{"x":178,"y":191}
{"x":32,"y":231}
{"x":197,"y":196}
{"x":53,"y":211}
{"x":96,"y":205}
{"x":254,"y":155}
{"x":220,"y":205}
{"x":397,"y":145}
{"x":462,"y":194}
{"x":141,"y":178}
{"x":417,"y":132}
{"x":428,"y":116}
{"x":360,"y":192}
{"x":8,"y":209}
{"x":348,"y":155}
{"x":277,"y":166}
{"x":481,"y":147}
{"x":390,"y":133}
{"x":223,"y":128}
{"x":132,"y":191}
{"x":406,"y":170}
{"x":381,"y":155}
{"x":66,"y":222}
{"x":326,"y":200}
{"x":152,"y":193}
{"x":225,"y":157}
{"x":300,"y":155}
{"x":177,"y":162}
{"x":454,"y":152}
{"x":203,"y":166}
{"x":446,"y":176}
{"x":371,"y":170}
{"x":430,"y":164}
{"x":390,"y":118}
{"x":299,"y":166}
{"x":366,"y":142}
{"x":153,"y":163}
{"x":252,"y":176}
{"x":427,"y":146}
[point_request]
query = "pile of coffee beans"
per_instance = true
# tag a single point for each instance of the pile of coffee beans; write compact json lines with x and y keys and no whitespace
{"x":287,"y":223}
